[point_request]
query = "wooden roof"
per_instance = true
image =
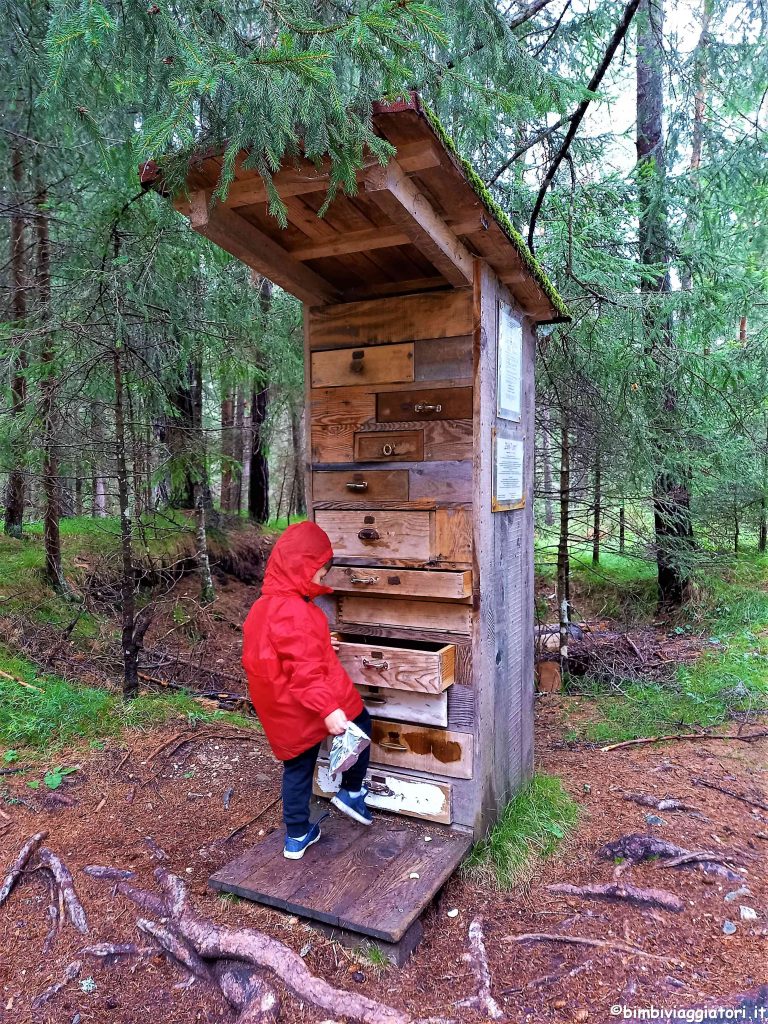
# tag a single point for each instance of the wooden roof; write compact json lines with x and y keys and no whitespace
{"x":415,"y":225}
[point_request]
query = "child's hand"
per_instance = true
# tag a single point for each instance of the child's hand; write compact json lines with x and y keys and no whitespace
{"x":335,"y":642}
{"x":336,"y":722}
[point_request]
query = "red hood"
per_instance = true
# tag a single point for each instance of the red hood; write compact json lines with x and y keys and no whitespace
{"x":301,"y":550}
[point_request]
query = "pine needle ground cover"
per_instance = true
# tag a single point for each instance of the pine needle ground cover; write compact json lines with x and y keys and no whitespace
{"x":728,"y":610}
{"x":531,"y":829}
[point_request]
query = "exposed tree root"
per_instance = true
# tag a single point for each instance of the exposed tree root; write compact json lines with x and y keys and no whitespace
{"x":731,"y":793}
{"x":19,"y":864}
{"x":660,"y":805}
{"x":620,"y":947}
{"x":477,"y":959}
{"x":637,"y":847}
{"x":70,"y":973}
{"x":110,"y":952}
{"x":626,"y":893}
{"x":75,"y":912}
{"x":114,"y":874}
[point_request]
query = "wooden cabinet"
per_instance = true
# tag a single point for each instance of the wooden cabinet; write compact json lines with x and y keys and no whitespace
{"x":374,"y":364}
{"x":418,"y":665}
{"x":406,"y":705}
{"x":439,"y":751}
{"x":381,"y":579}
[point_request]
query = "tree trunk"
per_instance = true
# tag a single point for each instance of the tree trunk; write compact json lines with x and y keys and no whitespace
{"x":179,"y":434}
{"x":563,"y":559}
{"x":597,"y":510}
{"x":671,"y":497}
{"x":762,"y":538}
{"x":201,"y":488}
{"x":622,"y":529}
{"x":238,"y":452}
{"x":98,"y":480}
{"x":128,"y":580}
{"x":51,"y":534}
{"x":546,"y":456}
{"x":258,"y":481}
{"x":697,"y":135}
{"x":736,"y":530}
{"x":207,"y":591}
{"x":227,"y":450}
{"x":298,"y":503}
{"x":15,"y":496}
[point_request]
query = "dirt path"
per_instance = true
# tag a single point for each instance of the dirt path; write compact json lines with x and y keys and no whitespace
{"x":180,"y":803}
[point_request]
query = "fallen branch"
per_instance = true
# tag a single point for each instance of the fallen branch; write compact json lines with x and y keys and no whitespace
{"x":730,"y":792}
{"x":253,"y":820}
{"x":18,"y":865}
{"x":660,"y":805}
{"x":21,"y":682}
{"x":70,"y":973}
{"x":478,"y":960}
{"x":749,"y":738}
{"x":627,"y":893}
{"x":620,"y":947}
{"x":60,"y":872}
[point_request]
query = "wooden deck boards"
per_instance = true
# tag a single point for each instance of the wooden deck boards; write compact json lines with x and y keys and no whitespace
{"x":357,"y":878}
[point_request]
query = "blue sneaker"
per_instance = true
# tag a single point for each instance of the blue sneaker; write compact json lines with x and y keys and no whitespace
{"x":294,"y":849}
{"x":353,"y":806}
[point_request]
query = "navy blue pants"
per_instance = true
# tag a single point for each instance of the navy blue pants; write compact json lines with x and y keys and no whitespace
{"x":297,"y":781}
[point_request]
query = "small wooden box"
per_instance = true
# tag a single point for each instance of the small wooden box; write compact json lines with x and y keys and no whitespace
{"x":417,"y":665}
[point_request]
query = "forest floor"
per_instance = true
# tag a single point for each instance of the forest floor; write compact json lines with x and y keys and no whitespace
{"x":187,"y":776}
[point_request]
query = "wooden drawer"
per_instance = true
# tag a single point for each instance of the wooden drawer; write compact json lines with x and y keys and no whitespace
{"x":424,"y":404}
{"x":389,"y":446}
{"x":379,"y":535}
{"x":389,"y":791}
{"x":352,"y":485}
{"x":376,"y":364}
{"x":379,"y":611}
{"x":414,"y":665}
{"x":439,"y":751}
{"x":406,"y":705}
{"x":447,"y":585}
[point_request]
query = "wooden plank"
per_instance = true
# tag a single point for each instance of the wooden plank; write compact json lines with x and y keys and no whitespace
{"x":445,"y":585}
{"x":353,"y":241}
{"x":389,"y":791}
{"x":440,"y":751}
{"x":389,"y":446}
{"x":448,"y":441}
{"x":398,"y":664}
{"x":453,"y":534}
{"x":443,"y":481}
{"x":364,"y":365}
{"x":410,"y":210}
{"x":420,"y":505}
{"x":380,"y":321}
{"x":407,"y":706}
{"x":439,"y":358}
{"x":424,"y":404}
{"x":384,"y":534}
{"x":407,"y":613}
{"x":366,"y":485}
{"x":306,"y":177}
{"x":257,"y":250}
{"x":334,"y":405}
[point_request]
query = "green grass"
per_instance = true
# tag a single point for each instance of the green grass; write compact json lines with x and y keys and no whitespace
{"x":66,"y":713}
{"x":530,"y":829}
{"x":729,"y":610}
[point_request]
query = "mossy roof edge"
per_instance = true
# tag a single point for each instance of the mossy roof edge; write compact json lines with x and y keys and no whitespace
{"x":481,"y":191}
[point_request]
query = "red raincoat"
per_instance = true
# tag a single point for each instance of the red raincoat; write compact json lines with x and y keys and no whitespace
{"x":294,"y":677}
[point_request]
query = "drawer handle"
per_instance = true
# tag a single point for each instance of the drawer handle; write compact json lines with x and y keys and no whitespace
{"x":388,"y":449}
{"x":427,"y":407}
{"x":379,"y":665}
{"x":367,"y":699}
{"x":363,"y":579}
{"x":356,"y":366}
{"x":357,"y":485}
{"x":369,"y":534}
{"x":393,"y":745}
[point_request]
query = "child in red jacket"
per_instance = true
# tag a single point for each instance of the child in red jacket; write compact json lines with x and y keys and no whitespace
{"x":297,"y":685}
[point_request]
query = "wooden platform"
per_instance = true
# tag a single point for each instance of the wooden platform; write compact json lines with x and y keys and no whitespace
{"x":356,"y":878}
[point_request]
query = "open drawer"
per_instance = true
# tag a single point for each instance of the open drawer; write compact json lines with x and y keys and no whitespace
{"x":407,"y":705}
{"x":398,"y":664}
{"x":437,"y":584}
{"x":391,"y":791}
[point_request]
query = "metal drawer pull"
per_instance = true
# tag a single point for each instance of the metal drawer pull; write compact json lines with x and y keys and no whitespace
{"x":356,"y":366}
{"x":363,"y":579}
{"x":380,"y":666}
{"x":393,"y":745}
{"x":367,"y":699}
{"x":369,"y":534}
{"x":426,"y":407}
{"x":357,"y":485}
{"x":387,"y":449}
